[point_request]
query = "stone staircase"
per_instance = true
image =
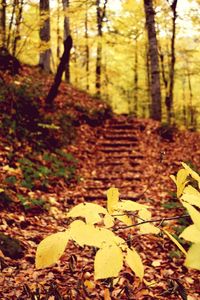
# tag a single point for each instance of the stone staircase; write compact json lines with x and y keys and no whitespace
{"x":117,"y":161}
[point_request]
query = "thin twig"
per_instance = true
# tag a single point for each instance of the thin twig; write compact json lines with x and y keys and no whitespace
{"x":152,"y":221}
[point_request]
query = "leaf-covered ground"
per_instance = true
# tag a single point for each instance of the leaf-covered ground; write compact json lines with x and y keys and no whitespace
{"x":134,"y":155}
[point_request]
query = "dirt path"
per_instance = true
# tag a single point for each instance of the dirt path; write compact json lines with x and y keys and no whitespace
{"x":126,"y":153}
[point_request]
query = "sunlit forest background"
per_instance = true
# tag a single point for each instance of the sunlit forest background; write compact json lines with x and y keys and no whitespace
{"x":119,"y":40}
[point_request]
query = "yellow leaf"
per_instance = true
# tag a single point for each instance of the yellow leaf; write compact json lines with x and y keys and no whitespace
{"x":125,"y":219}
{"x":191,"y":190}
{"x":145,"y":215}
{"x":193,"y":199}
{"x":180,"y":181}
{"x":128,"y":205}
{"x":108,"y":262}
{"x":1,"y":190}
{"x":193,"y":257}
{"x":86,"y":234}
{"x":108,"y":221}
{"x":89,"y":211}
{"x":135,"y":263}
{"x":192,"y":173}
{"x":112,"y":199}
{"x":191,"y":234}
{"x":194,"y":214}
{"x":51,"y":249}
{"x":89,"y":284}
{"x":175,"y":241}
{"x":148,"y":228}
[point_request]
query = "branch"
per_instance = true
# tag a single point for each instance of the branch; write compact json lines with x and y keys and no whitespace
{"x":152,"y":221}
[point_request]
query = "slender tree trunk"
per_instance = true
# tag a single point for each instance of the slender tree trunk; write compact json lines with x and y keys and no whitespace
{"x":58,"y":31}
{"x":3,"y":23}
{"x":45,"y":50}
{"x":58,"y":77}
{"x":19,"y":10}
{"x":154,"y":62}
{"x":136,"y":77}
{"x":11,"y":24}
{"x":170,"y":93}
{"x":87,"y":51}
{"x":100,"y":12}
{"x":66,"y":34}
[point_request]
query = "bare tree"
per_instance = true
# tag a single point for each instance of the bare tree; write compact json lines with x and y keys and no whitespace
{"x":154,"y":62}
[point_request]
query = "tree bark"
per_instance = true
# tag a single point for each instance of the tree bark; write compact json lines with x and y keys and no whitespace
{"x":100,"y":12}
{"x":154,"y":62}
{"x":170,"y":93}
{"x":66,"y":34}
{"x":18,"y":13}
{"x":58,"y":77}
{"x":45,"y":51}
{"x":3,"y":23}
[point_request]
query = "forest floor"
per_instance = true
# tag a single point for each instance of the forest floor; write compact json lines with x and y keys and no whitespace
{"x":131,"y":154}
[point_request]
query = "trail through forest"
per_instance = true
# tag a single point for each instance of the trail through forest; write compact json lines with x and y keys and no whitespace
{"x":137,"y":157}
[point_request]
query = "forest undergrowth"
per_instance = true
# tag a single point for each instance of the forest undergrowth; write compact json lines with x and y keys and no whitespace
{"x":53,"y":160}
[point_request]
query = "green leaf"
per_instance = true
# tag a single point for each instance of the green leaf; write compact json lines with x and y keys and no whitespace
{"x":193,"y":257}
{"x":108,"y":262}
{"x":191,"y":234}
{"x":51,"y":249}
{"x":135,"y":263}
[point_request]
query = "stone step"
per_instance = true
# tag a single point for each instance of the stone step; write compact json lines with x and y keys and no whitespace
{"x":115,"y":137}
{"x":114,"y":177}
{"x":121,"y":126}
{"x":115,"y":144}
{"x":103,"y":197}
{"x":114,"y":150}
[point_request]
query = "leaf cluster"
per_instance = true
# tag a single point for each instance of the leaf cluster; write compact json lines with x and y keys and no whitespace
{"x":189,"y":197}
{"x":93,"y":227}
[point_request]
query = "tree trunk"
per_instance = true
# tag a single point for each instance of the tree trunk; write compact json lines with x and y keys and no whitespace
{"x":170,"y":93}
{"x":58,"y":77}
{"x":87,"y":53}
{"x":3,"y":23}
{"x":66,"y":34}
{"x":18,"y":13}
{"x":45,"y":51}
{"x":154,"y":62}
{"x":136,"y":77}
{"x":100,"y":12}
{"x":58,"y":31}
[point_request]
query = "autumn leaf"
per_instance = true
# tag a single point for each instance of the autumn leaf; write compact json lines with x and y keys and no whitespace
{"x":86,"y":234}
{"x":108,"y":262}
{"x":112,"y":200}
{"x":191,"y":234}
{"x":91,"y":212}
{"x":194,"y":214}
{"x":193,"y":257}
{"x":51,"y":249}
{"x":135,"y":263}
{"x":175,"y":241}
